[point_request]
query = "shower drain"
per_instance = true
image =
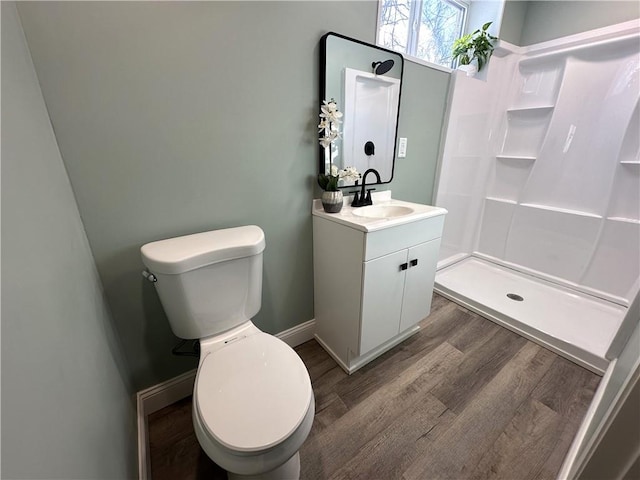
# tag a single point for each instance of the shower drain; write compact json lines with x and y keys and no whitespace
{"x":515,"y":296}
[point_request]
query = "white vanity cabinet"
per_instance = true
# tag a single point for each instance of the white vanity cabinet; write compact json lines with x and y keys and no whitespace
{"x":372,"y":287}
{"x":396,"y":293}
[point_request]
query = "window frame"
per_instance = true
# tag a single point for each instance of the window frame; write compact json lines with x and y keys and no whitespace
{"x":466,"y":5}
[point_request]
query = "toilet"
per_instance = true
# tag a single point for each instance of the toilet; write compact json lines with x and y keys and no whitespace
{"x":253,"y":405}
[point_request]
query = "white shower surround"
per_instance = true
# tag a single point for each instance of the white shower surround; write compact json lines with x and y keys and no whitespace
{"x":540,"y":173}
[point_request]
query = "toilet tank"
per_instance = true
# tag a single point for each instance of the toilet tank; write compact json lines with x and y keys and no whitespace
{"x":208,"y":282}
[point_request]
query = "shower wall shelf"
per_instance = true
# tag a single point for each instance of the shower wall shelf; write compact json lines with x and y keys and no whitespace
{"x":626,"y":201}
{"x":625,"y":220}
{"x":561,"y":210}
{"x":538,"y":85}
{"x":533,"y":108}
{"x":510,"y":176}
{"x":525,"y":130}
{"x":502,"y":200}
{"x":630,"y":148}
{"x":558,"y":209}
{"x":516,"y":157}
{"x":530,"y":111}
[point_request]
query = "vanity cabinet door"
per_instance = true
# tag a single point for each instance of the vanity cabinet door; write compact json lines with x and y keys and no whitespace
{"x":418,"y":289}
{"x":383,"y":287}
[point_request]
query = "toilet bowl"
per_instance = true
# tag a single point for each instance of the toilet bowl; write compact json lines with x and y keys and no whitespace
{"x":263,"y":389}
{"x":253,"y":404}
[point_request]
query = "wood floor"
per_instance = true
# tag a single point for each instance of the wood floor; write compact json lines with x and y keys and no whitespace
{"x":462,"y":399}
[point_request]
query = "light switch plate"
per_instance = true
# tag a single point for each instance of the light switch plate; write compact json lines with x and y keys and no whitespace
{"x":402,"y":147}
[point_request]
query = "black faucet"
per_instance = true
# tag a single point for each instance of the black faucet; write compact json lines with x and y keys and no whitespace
{"x":362,"y":200}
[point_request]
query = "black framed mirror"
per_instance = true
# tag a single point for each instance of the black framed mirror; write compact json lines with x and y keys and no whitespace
{"x":365,"y":81}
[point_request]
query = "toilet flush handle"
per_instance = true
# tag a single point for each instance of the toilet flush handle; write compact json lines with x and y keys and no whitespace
{"x":149,"y":276}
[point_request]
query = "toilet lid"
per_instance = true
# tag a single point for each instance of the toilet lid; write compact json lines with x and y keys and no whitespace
{"x":253,"y":393}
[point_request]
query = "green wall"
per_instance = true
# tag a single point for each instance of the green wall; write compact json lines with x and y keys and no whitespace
{"x":174,"y":118}
{"x":180,"y":117}
{"x":67,"y":411}
{"x":513,"y":18}
{"x":423,"y":104}
{"x":546,"y":20}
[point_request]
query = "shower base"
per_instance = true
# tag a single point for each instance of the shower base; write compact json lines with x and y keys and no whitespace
{"x":577,"y":326}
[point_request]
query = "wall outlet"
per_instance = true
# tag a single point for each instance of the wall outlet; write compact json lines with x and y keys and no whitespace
{"x":402,"y":147}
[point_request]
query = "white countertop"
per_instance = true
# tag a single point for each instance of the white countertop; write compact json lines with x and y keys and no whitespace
{"x":347,"y":218}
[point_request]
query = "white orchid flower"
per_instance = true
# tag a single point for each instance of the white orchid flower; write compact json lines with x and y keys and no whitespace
{"x":349,"y":174}
{"x":326,"y":141}
{"x":329,"y":106}
{"x":324,"y":125}
{"x":332,"y":117}
{"x":329,"y":121}
{"x":330,"y":111}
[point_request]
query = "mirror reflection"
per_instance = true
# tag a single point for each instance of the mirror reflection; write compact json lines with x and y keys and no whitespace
{"x":365,"y":82}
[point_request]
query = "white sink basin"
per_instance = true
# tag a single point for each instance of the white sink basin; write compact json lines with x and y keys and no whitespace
{"x":382,"y":211}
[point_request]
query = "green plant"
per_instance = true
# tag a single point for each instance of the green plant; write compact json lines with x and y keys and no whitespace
{"x":477,"y":45}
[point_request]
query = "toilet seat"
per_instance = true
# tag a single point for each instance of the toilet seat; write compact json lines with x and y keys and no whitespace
{"x":253,"y":393}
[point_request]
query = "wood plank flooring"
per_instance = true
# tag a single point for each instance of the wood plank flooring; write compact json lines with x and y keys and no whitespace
{"x":462,"y":399}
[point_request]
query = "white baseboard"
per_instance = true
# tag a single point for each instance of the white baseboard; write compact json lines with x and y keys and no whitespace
{"x":162,"y":395}
{"x":299,"y":334}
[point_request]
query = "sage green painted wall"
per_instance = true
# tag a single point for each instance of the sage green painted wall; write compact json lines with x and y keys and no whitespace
{"x":174,"y":118}
{"x":422,"y":109}
{"x":513,"y":18}
{"x":546,"y":20}
{"x":66,"y":408}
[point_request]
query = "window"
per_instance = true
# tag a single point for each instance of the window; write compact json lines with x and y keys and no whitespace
{"x":424,"y":29}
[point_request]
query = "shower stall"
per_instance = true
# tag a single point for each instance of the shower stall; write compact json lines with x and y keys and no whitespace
{"x":540,"y":173}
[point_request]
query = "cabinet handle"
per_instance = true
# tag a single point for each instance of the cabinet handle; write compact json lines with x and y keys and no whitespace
{"x":404,"y":266}
{"x":414,"y":262}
